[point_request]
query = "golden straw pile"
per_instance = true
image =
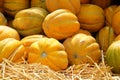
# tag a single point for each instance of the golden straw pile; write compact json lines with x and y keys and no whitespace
{"x":13,"y":71}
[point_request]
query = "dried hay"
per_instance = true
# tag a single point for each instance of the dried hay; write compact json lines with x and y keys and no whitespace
{"x":12,"y":71}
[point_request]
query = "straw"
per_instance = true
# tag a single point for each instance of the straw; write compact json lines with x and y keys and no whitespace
{"x":37,"y":71}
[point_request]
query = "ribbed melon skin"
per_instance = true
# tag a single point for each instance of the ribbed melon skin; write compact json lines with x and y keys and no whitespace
{"x":113,"y":56}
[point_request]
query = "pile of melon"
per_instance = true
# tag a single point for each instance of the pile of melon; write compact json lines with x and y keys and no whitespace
{"x":60,"y":33}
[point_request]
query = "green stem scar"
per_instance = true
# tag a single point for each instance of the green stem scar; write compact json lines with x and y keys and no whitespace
{"x":43,"y":54}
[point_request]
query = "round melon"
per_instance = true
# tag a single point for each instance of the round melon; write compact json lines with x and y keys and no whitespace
{"x":29,"y":21}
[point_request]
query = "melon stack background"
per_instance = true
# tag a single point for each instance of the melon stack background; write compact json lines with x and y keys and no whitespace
{"x":60,"y":33}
